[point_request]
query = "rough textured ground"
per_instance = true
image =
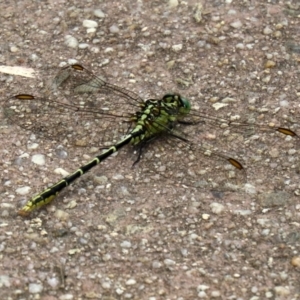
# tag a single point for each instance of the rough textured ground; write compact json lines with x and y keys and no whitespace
{"x":122,"y":232}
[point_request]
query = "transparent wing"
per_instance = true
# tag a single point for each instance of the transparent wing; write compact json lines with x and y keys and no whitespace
{"x":219,"y":160}
{"x":78,"y":106}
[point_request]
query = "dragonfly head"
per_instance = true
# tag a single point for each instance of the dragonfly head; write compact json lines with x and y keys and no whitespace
{"x":182,"y":103}
{"x":186,"y":105}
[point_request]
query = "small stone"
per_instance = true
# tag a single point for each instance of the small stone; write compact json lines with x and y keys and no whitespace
{"x":219,"y":105}
{"x":198,"y":12}
{"x":177,"y":48}
{"x":62,"y":172}
{"x":202,"y":287}
{"x":61,"y":215}
{"x":173,"y":3}
{"x":74,"y":251}
{"x":35,"y":288}
{"x":89,"y":24}
{"x":106,"y":257}
{"x":170,"y":64}
{"x":4,"y":280}
{"x":109,"y":50}
{"x":205,"y":216}
{"x":236,"y":24}
{"x":14,"y":49}
{"x":267,"y":30}
{"x":282,"y":291}
{"x":38,"y":159}
{"x":118,"y":177}
{"x":240,"y":46}
{"x":114,"y":29}
{"x":106,"y":285}
{"x":33,"y":146}
{"x":71,"y":41}
{"x":217,"y":208}
{"x":250,"y":189}
{"x":156,"y":264}
{"x":215,"y":294}
{"x":202,"y":294}
{"x":269,"y":294}
{"x":242,"y":212}
{"x":270,"y":64}
{"x":274,"y":152}
{"x":83,"y":45}
{"x":130,"y":281}
{"x":125,"y":244}
{"x":169,"y":262}
{"x":71,"y":204}
{"x":91,"y":31}
{"x":99,"y":13}
{"x":66,"y":297}
{"x":277,"y":34}
{"x":53,"y":282}
{"x":23,"y":190}
{"x":295,"y":261}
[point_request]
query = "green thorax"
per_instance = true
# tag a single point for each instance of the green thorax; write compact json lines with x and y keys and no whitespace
{"x":159,"y":116}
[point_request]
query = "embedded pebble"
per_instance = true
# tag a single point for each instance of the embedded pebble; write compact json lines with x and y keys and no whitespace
{"x":219,"y":105}
{"x":119,"y":291}
{"x":83,"y":45}
{"x":71,"y":41}
{"x":202,"y":294}
{"x":100,"y":179}
{"x":284,"y":103}
{"x":62,"y":172}
{"x":177,"y":48}
{"x":53,"y":282}
{"x":281,"y":291}
{"x":61,"y":152}
{"x":91,"y":30}
{"x":99,"y":13}
{"x":89,"y":24}
{"x":32,"y":146}
{"x":169,"y":262}
{"x":215,"y":294}
{"x":270,"y":64}
{"x":114,"y":29}
{"x":66,"y":297}
{"x":106,"y":285}
{"x":107,"y":257}
{"x":173,"y":3}
{"x":249,"y":189}
{"x":38,"y":159}
{"x":217,"y":208}
{"x":109,"y":50}
{"x":267,"y":30}
{"x":236,"y":24}
{"x":118,"y":177}
{"x":4,"y":280}
{"x":130,"y":281}
{"x":295,"y":261}
{"x":14,"y":49}
{"x":205,"y":216}
{"x":125,"y":244}
{"x":23,"y":190}
{"x":242,"y":212}
{"x":35,"y":288}
{"x":61,"y":215}
{"x":240,"y":46}
{"x":156,"y":264}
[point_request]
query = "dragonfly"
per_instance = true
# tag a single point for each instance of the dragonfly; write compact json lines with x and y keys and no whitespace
{"x":72,"y":101}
